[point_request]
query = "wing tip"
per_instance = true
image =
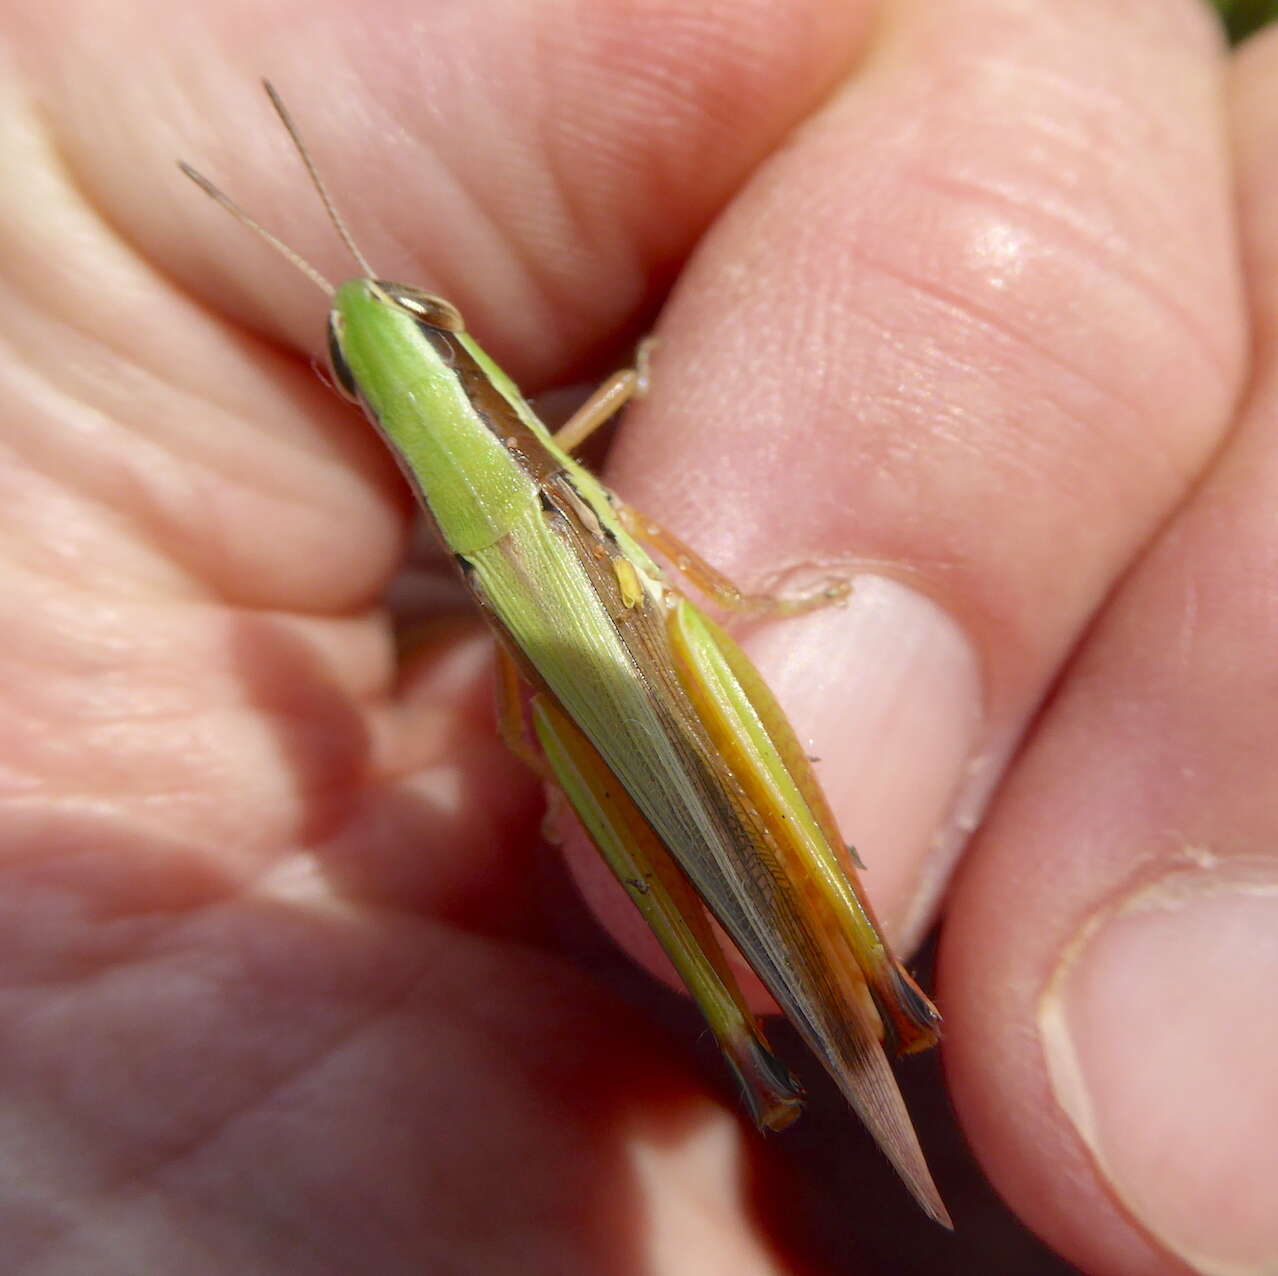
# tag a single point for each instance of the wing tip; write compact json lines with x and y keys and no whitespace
{"x":929,"y":1201}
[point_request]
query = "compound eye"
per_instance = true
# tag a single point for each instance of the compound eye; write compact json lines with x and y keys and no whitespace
{"x":342,"y":377}
{"x":424,"y":306}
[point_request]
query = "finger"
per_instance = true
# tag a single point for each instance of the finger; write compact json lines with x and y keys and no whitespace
{"x":966,"y":339}
{"x":1109,"y":965}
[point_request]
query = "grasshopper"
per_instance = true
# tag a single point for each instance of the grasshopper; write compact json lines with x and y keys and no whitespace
{"x":666,"y":742}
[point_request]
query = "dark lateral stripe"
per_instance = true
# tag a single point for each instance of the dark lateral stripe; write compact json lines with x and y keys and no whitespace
{"x":492,"y":407}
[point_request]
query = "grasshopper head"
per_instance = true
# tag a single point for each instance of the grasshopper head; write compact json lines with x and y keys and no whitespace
{"x":425,"y":308}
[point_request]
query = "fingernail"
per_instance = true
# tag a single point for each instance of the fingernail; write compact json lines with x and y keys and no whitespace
{"x":1160,"y":1026}
{"x":885,"y":691}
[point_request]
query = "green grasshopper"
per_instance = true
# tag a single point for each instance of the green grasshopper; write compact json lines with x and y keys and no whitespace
{"x":665,"y":740}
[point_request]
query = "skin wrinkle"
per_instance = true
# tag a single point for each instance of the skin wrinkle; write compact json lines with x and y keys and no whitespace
{"x":640,"y":281}
{"x":76,"y":199}
{"x":1090,"y":124}
{"x":1099,"y":100}
{"x":672,"y":102}
{"x":364,"y":676}
{"x":162,"y":530}
{"x":1098,"y":251}
{"x":327,"y":785}
{"x":517,"y":256}
{"x":961,"y":302}
{"x":1114,"y":265}
{"x":556,"y":284}
{"x":86,"y":973}
{"x":145,"y":516}
{"x":66,"y":405}
{"x":67,"y":571}
{"x":167,"y":1159}
{"x":297,"y":728}
{"x":1025,"y":462}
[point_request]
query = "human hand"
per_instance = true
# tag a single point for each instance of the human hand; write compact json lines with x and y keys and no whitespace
{"x":278,"y":997}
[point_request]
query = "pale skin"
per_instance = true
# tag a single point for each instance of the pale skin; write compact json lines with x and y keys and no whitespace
{"x":287,"y":985}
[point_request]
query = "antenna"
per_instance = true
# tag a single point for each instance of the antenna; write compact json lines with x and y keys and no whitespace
{"x":220,"y":197}
{"x":317,"y":181}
